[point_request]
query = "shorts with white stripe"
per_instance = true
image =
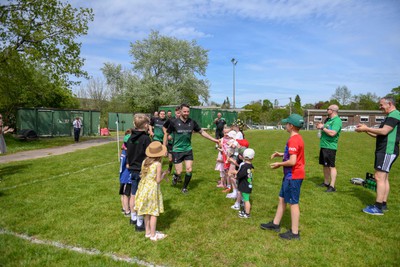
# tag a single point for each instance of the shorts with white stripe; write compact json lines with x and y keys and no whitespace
{"x":383,"y":162}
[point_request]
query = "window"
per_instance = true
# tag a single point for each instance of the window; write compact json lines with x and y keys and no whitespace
{"x":364,"y":118}
{"x":379,"y":118}
{"x":344,"y":118}
{"x":317,"y":118}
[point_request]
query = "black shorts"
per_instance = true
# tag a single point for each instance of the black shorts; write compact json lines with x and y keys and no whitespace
{"x":125,"y":189}
{"x":179,"y":157}
{"x":169,"y":148}
{"x":327,"y":157}
{"x":383,"y":161}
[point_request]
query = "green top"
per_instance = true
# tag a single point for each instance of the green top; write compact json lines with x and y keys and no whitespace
{"x":327,"y":141}
{"x":389,"y":143}
{"x":126,"y":138}
{"x":182,"y":134}
{"x":158,"y":124}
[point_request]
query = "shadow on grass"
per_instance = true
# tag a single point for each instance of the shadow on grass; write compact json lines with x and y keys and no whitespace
{"x":365,"y":195}
{"x":192,"y":185}
{"x":10,"y":170}
{"x":170,"y":215}
{"x":317,"y":180}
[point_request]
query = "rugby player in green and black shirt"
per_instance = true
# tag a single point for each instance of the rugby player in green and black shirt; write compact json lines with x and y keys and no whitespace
{"x":156,"y":126}
{"x":168,"y":138}
{"x":386,"y":151}
{"x":181,"y":130}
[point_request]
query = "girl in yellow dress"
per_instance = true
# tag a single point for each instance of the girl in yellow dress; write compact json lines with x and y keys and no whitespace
{"x":149,"y":201}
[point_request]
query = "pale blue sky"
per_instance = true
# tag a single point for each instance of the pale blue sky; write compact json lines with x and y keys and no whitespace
{"x":283,"y":48}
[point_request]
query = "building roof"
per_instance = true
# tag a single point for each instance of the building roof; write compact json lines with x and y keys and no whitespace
{"x":342,"y":112}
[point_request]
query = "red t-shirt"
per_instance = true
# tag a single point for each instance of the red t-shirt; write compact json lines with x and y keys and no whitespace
{"x":295,"y":146}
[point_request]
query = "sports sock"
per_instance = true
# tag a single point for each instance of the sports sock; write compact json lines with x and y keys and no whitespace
{"x":379,"y":205}
{"x":188,"y":176}
{"x":384,"y":203}
{"x":234,"y":191}
{"x":139,"y":221}
{"x":133,"y":216}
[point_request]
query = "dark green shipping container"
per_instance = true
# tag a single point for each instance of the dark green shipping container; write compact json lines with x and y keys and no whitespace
{"x":57,"y":122}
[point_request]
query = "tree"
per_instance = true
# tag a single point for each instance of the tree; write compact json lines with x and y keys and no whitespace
{"x":368,"y":101}
{"x":342,"y":95}
{"x":297,"y":105}
{"x":226,"y":104}
{"x":23,"y":84}
{"x":256,"y":111}
{"x":169,"y":71}
{"x":44,"y":32}
{"x":395,"y":93}
{"x":267,"y":105}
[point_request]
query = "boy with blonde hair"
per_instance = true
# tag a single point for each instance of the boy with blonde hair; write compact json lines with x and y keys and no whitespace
{"x":135,"y":154}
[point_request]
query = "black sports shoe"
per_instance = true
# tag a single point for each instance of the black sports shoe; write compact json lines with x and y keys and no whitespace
{"x":184,"y":190}
{"x":140,"y":228}
{"x":289,"y":235}
{"x":330,"y":189}
{"x":132,"y":222}
{"x":270,"y":226}
{"x":323,"y":184}
{"x":174,"y":179}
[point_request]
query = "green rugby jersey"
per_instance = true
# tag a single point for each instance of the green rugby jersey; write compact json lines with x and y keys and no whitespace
{"x":158,"y":124}
{"x":182,"y":134}
{"x":327,"y":141}
{"x":389,"y":143}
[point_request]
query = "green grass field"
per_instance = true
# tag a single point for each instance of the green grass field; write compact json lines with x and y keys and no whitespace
{"x":73,"y":199}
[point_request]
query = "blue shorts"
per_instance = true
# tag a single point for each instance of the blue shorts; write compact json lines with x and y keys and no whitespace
{"x":135,"y":178}
{"x":290,"y":191}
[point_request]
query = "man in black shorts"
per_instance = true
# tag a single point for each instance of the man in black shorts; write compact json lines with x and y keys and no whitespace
{"x":181,"y":130}
{"x":168,"y":138}
{"x":330,"y":132}
{"x":219,"y":123}
{"x":386,"y":152}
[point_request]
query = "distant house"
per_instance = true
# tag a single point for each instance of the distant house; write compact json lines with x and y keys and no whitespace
{"x":348,"y":117}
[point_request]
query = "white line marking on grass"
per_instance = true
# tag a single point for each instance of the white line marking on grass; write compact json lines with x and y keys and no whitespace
{"x":86,"y":251}
{"x":54,"y":177}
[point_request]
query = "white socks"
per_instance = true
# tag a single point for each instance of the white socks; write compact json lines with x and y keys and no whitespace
{"x":133,"y":216}
{"x":139,"y":221}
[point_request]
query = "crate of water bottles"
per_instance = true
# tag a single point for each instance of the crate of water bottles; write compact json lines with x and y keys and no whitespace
{"x":370,"y":181}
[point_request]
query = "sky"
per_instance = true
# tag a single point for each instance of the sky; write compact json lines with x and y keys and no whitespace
{"x":283,"y":48}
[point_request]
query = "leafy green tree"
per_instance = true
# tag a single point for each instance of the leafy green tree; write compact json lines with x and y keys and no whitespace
{"x":267,"y":105}
{"x":44,"y":32}
{"x":23,"y":84}
{"x":255,"y":113}
{"x":297,"y":105}
{"x":395,"y":93}
{"x":169,"y":71}
{"x":368,"y":101}
{"x":226,"y":103}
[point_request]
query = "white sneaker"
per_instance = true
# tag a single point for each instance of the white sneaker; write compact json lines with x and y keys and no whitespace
{"x":231,"y":195}
{"x":235,"y":207}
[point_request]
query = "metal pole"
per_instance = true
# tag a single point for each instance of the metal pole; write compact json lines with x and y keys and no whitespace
{"x":234,"y":62}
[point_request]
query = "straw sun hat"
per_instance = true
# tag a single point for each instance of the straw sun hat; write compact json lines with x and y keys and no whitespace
{"x":156,"y":150}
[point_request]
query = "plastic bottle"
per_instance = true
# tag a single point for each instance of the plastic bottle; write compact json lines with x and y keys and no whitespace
{"x":319,"y":133}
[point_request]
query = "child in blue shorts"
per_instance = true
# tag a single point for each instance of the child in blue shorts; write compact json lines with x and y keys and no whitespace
{"x":293,"y":169}
{"x":124,"y":178}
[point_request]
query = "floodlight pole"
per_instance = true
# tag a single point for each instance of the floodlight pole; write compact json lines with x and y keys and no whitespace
{"x":234,"y":62}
